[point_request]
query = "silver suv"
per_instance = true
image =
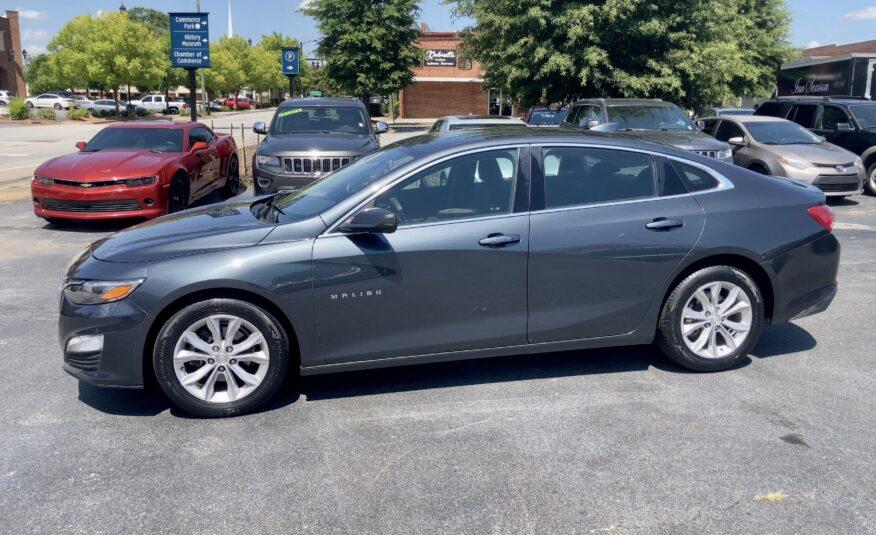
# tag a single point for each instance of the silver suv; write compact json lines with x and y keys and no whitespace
{"x":309,"y":138}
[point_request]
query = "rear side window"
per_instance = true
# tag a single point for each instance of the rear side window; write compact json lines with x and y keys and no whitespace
{"x":773,"y":109}
{"x":803,"y":115}
{"x":586,"y":175}
{"x":695,"y":178}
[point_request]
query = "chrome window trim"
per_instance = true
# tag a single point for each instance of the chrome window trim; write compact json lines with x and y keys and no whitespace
{"x":517,"y":146}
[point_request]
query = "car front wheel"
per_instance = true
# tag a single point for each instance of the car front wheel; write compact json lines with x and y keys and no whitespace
{"x":178,"y":196}
{"x":221,"y":357}
{"x":232,"y":182}
{"x":870,"y":183}
{"x":711,"y":319}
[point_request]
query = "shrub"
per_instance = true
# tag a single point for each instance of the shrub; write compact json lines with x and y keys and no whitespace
{"x":76,"y":114}
{"x":46,"y":113}
{"x":18,"y":109}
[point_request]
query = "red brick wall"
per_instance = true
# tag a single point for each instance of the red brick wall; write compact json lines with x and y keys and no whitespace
{"x":435,"y":99}
{"x":863,"y":47}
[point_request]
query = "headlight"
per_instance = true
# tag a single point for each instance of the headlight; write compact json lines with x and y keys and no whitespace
{"x":141,"y":181}
{"x":796,"y":164}
{"x":268,"y":161}
{"x":859,"y":163}
{"x":44,"y":180}
{"x":725,"y":154}
{"x":89,"y":292}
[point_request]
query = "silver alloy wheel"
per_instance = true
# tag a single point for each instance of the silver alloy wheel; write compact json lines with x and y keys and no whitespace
{"x":872,"y":180}
{"x":716,"y":319}
{"x":221,"y":358}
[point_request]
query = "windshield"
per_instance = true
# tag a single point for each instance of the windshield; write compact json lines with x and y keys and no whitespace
{"x":866,"y":115}
{"x":333,"y":188}
{"x":649,"y":117}
{"x":781,"y":133}
{"x":547,"y":116}
{"x":154,"y":139}
{"x":319,"y":119}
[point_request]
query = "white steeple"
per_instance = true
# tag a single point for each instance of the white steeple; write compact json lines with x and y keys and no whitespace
{"x":230,"y":31}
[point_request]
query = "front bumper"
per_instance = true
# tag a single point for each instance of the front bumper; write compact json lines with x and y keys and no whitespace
{"x":829,"y":181}
{"x":108,"y":202}
{"x":124,"y":327}
{"x":805,"y":278}
{"x":270,"y":182}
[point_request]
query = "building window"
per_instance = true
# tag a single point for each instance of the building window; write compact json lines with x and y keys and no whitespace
{"x":464,"y":62}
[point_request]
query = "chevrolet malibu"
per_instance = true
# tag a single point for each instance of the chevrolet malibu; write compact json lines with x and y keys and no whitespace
{"x":461,"y":245}
{"x":139,"y":169}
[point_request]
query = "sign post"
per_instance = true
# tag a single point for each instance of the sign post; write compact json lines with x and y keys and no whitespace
{"x":190,"y":48}
{"x":290,"y":65}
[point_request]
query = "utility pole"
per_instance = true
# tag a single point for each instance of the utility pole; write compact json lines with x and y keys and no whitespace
{"x":201,"y":72}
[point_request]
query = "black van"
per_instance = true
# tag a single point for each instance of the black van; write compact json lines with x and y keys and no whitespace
{"x":849,"y":122}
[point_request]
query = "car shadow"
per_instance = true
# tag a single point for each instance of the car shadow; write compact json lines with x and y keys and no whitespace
{"x":775,"y":341}
{"x":842,"y":201}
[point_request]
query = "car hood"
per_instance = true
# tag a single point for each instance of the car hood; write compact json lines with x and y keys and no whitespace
{"x":218,"y":226}
{"x":335,"y":144}
{"x":105,"y":164}
{"x":685,"y":140}
{"x":823,"y":153}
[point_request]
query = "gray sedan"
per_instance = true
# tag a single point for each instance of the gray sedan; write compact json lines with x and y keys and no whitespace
{"x":427,"y":251}
{"x":773,"y":146}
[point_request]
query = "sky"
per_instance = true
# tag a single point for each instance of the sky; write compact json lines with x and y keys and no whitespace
{"x":815,"y":22}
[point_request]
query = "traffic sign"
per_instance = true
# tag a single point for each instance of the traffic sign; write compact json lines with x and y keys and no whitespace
{"x":315,"y":93}
{"x":189,"y":40}
{"x":289,"y":61}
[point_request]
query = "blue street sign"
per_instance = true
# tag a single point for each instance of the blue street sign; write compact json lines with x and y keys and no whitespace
{"x":289,"y":60}
{"x":189,"y":40}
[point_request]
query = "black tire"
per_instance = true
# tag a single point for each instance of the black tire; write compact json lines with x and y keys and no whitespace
{"x":30,"y":105}
{"x":58,"y":107}
{"x":177,"y":195}
{"x":173,"y":111}
{"x":277,"y":343}
{"x":870,"y":180}
{"x":670,"y":338}
{"x":232,"y":182}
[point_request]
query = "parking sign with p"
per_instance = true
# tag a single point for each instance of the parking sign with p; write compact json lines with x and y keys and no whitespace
{"x":289,"y":61}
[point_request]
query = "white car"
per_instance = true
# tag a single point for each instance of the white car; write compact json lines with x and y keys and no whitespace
{"x":5,"y":96}
{"x":50,"y":100}
{"x":81,"y":101}
{"x":158,"y":104}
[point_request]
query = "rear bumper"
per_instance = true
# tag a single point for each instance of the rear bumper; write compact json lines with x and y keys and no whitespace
{"x":805,"y":278}
{"x":110,"y":202}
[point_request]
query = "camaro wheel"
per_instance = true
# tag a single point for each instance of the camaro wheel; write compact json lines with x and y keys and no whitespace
{"x":870,"y":183}
{"x":178,"y":196}
{"x":711,"y":319}
{"x":221,"y":357}
{"x":232,"y":183}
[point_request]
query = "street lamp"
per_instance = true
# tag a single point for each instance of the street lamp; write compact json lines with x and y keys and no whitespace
{"x":122,"y":8}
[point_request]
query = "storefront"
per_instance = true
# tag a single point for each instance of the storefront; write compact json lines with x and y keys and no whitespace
{"x":446,"y":83}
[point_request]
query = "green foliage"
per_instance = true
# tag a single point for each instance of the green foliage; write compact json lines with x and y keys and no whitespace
{"x":693,"y":53}
{"x":76,"y":114}
{"x":39,"y":75}
{"x":158,"y":24}
{"x":46,"y":113}
{"x":18,"y":109}
{"x":367,"y":44}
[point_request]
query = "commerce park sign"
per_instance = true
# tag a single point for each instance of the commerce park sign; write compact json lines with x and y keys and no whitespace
{"x":190,"y":48}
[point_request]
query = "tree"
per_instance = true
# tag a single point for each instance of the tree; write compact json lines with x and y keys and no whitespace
{"x":693,"y":53}
{"x":368,"y":45}
{"x":158,"y":23}
{"x":231,"y":64}
{"x":39,"y":75}
{"x":272,"y":43}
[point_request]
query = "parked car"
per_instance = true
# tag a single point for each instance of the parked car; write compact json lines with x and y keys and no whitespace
{"x":81,"y":101}
{"x":50,"y":100}
{"x":106,"y":106}
{"x":844,"y":121}
{"x":239,"y":103}
{"x":5,"y":96}
{"x":731,"y":111}
{"x":424,"y":252}
{"x":544,"y":116}
{"x":654,"y":120}
{"x":158,"y":104}
{"x":137,"y":169}
{"x":216,"y":105}
{"x":461,"y":122}
{"x":779,"y":147}
{"x":296,"y":149}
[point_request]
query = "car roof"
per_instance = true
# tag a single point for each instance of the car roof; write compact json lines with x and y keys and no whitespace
{"x":626,"y":101}
{"x":165,"y":124}
{"x":322,"y":101}
{"x":480,"y":119}
{"x":748,"y":119}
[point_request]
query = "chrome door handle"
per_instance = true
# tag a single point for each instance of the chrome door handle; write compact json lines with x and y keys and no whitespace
{"x":661,"y":223}
{"x":499,"y":240}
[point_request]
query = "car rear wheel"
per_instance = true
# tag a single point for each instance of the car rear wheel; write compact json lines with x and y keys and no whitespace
{"x":232,"y":183}
{"x":178,"y":196}
{"x":759,"y":169}
{"x":870,"y":183}
{"x":711,"y":319}
{"x":173,"y":111}
{"x":30,"y":105}
{"x":58,"y":107}
{"x":221,"y":357}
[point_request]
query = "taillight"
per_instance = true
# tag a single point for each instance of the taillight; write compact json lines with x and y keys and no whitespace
{"x":823,"y":214}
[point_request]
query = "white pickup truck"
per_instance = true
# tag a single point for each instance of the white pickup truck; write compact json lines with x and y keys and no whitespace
{"x":158,"y":104}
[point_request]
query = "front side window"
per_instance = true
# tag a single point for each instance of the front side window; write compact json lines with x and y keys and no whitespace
{"x":832,"y":116}
{"x":866,"y":115}
{"x":319,"y":119}
{"x":726,"y":130}
{"x":147,"y":99}
{"x":474,"y":185}
{"x":586,"y":175}
{"x":199,"y":134}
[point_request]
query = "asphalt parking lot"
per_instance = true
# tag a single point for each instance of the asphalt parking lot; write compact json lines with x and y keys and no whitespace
{"x":605,"y":441}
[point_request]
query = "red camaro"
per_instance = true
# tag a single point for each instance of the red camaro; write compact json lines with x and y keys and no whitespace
{"x":138,"y":169}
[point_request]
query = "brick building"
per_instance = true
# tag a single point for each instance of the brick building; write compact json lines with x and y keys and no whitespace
{"x":11,"y":65}
{"x":446,"y":83}
{"x":861,"y":47}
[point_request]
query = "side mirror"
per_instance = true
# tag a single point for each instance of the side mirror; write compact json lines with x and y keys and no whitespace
{"x":371,"y":221}
{"x":842,"y":127}
{"x":80,"y":145}
{"x":737,"y":141}
{"x":591,"y":123}
{"x":199,"y":145}
{"x":260,"y":128}
{"x":701,"y":124}
{"x":381,"y":127}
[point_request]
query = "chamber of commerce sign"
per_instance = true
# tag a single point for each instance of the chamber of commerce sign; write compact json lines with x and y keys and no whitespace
{"x":441,"y":57}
